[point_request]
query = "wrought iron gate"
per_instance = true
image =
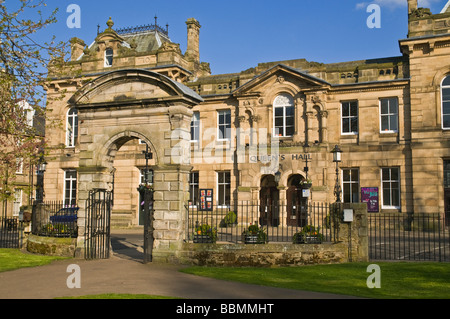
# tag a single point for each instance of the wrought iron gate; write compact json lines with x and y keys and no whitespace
{"x":97,"y":231}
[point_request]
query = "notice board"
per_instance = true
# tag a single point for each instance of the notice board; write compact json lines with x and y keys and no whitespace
{"x":206,"y":199}
{"x":370,"y":196}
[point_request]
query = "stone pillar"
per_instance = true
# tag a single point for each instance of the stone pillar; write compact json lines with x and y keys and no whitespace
{"x":282,"y":206}
{"x":170,"y":216}
{"x":354,"y":234}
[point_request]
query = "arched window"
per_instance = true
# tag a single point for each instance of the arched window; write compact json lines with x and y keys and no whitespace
{"x":109,"y":57}
{"x":72,"y":127}
{"x":445,"y":96}
{"x":283,"y":115}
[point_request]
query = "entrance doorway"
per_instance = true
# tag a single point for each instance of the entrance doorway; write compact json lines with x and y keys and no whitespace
{"x":269,"y":199}
{"x":297,"y":205}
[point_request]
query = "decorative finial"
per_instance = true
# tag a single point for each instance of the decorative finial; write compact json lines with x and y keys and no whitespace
{"x":156,"y":20}
{"x":110,"y":23}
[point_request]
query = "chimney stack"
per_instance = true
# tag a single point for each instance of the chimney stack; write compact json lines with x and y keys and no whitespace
{"x":77,"y":47}
{"x":412,"y":6}
{"x":193,"y":40}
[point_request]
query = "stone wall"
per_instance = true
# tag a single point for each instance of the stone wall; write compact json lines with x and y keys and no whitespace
{"x":350,"y":246}
{"x":64,"y":247}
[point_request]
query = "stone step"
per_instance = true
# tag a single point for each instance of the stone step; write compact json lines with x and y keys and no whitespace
{"x":121,"y":218}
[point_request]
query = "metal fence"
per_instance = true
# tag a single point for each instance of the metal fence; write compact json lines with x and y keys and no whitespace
{"x":54,"y":219}
{"x":11,"y":232}
{"x":397,"y":236}
{"x":253,"y":222}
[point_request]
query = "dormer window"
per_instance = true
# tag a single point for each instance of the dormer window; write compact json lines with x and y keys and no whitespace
{"x":108,"y":57}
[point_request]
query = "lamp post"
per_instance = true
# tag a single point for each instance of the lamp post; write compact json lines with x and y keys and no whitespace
{"x":40,"y":170}
{"x":337,"y":158}
{"x":148,"y":213}
{"x":277,"y":177}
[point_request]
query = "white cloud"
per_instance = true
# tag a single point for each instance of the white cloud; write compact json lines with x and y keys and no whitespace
{"x":396,"y":3}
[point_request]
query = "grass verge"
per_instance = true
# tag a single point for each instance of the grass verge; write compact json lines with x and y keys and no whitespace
{"x":399,"y":280}
{"x":119,"y":296}
{"x":11,"y":259}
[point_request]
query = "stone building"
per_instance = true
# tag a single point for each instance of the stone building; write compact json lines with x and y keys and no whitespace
{"x":23,"y":183}
{"x":249,"y":136}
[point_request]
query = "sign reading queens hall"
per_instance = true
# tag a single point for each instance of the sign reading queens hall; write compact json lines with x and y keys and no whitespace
{"x":279,"y":157}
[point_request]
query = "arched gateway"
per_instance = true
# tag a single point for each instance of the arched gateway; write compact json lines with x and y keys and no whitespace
{"x":129,"y":104}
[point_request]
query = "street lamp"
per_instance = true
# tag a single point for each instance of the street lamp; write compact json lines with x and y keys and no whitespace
{"x":40,"y":170}
{"x":337,"y":158}
{"x":277,"y":175}
{"x":148,"y":212}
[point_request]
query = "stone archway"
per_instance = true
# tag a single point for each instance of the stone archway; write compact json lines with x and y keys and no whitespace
{"x":128,"y":104}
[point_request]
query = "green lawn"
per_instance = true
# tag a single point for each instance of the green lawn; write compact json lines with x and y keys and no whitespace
{"x":406,"y":280}
{"x":119,"y":296}
{"x":11,"y":259}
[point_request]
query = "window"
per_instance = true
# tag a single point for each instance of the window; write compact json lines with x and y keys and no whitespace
{"x":283,"y":115}
{"x":350,"y":117}
{"x":224,"y":125}
{"x":193,"y":188}
{"x":224,"y":188}
{"x":350,"y":181}
{"x":390,"y":180}
{"x":389,"y":115}
{"x":17,"y":201}
{"x":19,"y":165}
{"x":195,"y":127}
{"x":72,"y":127}
{"x":109,"y":57}
{"x":70,"y":188}
{"x":445,"y":96}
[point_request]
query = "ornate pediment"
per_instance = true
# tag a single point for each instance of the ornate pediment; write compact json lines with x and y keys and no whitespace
{"x":131,"y":86}
{"x":280,"y":75}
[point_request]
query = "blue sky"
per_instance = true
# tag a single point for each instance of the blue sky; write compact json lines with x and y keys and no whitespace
{"x":237,"y":35}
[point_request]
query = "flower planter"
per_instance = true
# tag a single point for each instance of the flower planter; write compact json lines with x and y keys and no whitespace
{"x":253,"y":239}
{"x":308,"y":240}
{"x":306,"y":185}
{"x":202,"y":239}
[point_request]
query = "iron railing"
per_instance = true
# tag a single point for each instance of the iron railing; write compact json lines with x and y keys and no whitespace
{"x":403,"y":236}
{"x":277,"y":222}
{"x":11,"y":232}
{"x":54,"y":219}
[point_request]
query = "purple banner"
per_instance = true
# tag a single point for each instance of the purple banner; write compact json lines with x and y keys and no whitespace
{"x":369,"y":195}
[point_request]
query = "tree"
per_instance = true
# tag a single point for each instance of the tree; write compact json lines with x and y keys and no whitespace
{"x":24,"y":67}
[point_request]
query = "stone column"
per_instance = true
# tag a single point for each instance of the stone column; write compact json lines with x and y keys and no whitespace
{"x":171,"y":191}
{"x":355,"y":234}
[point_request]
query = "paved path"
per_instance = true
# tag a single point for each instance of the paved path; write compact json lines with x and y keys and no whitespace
{"x":125,"y":273}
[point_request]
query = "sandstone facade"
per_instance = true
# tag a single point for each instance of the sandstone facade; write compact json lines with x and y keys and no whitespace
{"x":218,"y":132}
